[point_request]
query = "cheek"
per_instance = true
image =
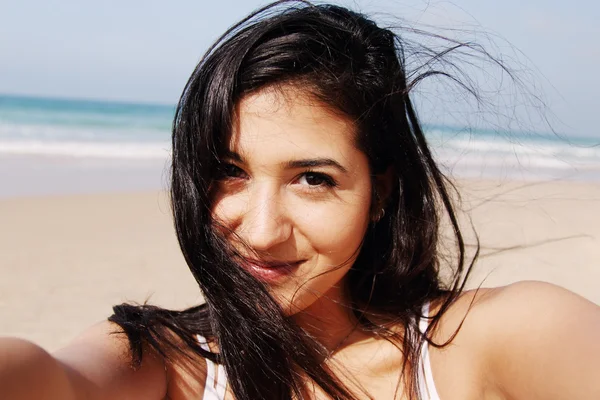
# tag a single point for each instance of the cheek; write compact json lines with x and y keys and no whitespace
{"x":335,"y":230}
{"x":227,"y":209}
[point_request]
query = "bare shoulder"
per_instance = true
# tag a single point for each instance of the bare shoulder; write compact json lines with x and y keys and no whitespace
{"x":516,"y":308}
{"x":99,"y":365}
{"x":526,"y":309}
{"x":529,"y":340}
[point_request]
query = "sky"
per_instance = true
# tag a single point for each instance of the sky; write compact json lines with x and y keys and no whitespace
{"x":144,"y":51}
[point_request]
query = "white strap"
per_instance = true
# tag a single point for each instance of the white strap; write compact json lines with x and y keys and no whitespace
{"x":215,"y":386}
{"x":221,"y":384}
{"x":426,"y":383}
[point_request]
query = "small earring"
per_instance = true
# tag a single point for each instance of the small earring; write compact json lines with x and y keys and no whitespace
{"x":379,"y":215}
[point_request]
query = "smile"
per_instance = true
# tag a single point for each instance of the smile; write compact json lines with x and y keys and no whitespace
{"x":271,"y":271}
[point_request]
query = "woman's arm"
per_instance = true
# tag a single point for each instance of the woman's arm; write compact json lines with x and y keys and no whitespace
{"x":94,"y":366}
{"x":29,"y":372}
{"x":544,"y":343}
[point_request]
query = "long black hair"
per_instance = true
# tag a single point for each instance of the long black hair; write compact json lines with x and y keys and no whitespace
{"x":358,"y":69}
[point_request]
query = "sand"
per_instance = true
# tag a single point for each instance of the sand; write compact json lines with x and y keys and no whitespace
{"x":544,"y":231}
{"x":65,"y":260}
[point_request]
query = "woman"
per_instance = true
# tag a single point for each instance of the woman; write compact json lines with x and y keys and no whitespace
{"x":309,"y":209}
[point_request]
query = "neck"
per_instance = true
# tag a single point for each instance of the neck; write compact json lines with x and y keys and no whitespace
{"x":330,"y":320}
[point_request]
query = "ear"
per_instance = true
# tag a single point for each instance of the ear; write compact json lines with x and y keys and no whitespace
{"x":383,"y":184}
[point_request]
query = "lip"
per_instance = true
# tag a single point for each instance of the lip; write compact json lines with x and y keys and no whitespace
{"x":271,"y":271}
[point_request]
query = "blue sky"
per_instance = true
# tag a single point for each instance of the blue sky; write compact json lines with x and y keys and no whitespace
{"x":145,"y":50}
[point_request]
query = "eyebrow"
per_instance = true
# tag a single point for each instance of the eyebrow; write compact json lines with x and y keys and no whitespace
{"x":315,"y":162}
{"x":296,"y":164}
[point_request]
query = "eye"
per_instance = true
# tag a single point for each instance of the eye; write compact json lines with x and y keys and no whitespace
{"x":229,"y":171}
{"x":316,"y":179}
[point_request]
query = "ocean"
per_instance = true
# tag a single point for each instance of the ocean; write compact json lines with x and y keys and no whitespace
{"x":54,"y":146}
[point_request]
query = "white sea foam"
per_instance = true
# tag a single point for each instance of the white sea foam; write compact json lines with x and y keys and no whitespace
{"x":119,"y":150}
{"x":501,"y":153}
{"x":536,"y":148}
{"x":76,"y":133}
{"x":528,"y":159}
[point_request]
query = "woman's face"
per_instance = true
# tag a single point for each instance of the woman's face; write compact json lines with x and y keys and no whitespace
{"x":296,"y":190}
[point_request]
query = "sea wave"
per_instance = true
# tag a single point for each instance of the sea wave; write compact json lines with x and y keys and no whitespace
{"x":517,"y":152}
{"x":537,"y":148}
{"x":77,"y":133}
{"x":119,"y":150}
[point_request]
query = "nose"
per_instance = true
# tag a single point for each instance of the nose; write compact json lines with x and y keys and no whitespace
{"x":266,"y":223}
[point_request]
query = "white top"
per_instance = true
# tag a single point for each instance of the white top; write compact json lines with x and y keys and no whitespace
{"x":215,"y":386}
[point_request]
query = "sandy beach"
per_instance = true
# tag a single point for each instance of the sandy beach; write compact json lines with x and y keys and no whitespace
{"x":66,"y":259}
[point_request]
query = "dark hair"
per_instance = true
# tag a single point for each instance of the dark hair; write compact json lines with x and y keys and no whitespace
{"x":357,"y":69}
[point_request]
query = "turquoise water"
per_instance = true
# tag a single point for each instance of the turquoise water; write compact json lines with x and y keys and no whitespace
{"x":96,"y":130}
{"x":81,"y":128}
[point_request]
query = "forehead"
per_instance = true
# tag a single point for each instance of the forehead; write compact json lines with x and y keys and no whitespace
{"x":288,"y":123}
